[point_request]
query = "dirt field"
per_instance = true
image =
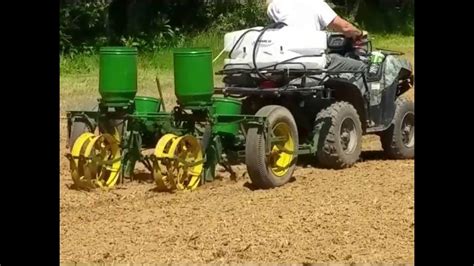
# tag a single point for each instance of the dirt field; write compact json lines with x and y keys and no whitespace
{"x":362,"y":214}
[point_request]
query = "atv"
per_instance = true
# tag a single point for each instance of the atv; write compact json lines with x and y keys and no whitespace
{"x":284,"y":66}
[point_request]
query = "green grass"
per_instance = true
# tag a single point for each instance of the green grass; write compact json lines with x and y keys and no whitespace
{"x":161,"y":60}
{"x":405,"y":44}
{"x":79,"y":75}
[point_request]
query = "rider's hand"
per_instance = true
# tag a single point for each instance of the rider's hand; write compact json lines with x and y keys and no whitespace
{"x":362,"y":35}
{"x":360,"y":43}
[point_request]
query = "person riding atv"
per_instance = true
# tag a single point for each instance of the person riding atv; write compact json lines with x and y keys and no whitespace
{"x":317,"y":15}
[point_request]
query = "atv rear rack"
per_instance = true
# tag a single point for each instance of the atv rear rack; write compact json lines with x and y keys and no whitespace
{"x":322,"y":75}
{"x":315,"y":91}
{"x":272,"y":70}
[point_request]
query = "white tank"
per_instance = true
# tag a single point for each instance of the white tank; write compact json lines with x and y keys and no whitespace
{"x":276,"y":46}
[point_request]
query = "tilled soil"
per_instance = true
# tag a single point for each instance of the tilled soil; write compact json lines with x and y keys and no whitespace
{"x":362,"y":214}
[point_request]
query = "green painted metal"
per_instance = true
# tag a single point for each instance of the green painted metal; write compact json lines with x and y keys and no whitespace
{"x":147,"y":105}
{"x":118,"y":74}
{"x":213,"y":156}
{"x":226,"y":106}
{"x":193,"y":76}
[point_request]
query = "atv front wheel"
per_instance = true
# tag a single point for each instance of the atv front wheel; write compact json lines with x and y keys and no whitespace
{"x":398,"y":141}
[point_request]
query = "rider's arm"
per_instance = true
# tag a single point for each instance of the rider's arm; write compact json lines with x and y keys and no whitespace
{"x":329,"y":19}
{"x":343,"y":26}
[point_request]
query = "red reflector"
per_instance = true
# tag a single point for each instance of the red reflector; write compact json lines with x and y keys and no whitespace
{"x":268,"y":84}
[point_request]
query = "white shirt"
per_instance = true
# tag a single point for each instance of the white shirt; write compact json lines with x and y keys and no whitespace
{"x":312,"y":14}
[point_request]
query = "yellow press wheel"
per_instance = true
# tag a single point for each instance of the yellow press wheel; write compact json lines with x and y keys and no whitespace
{"x":179,"y":163}
{"x":95,"y":161}
{"x":164,"y":182}
{"x":76,"y":160}
{"x":189,"y":162}
{"x":282,"y":152}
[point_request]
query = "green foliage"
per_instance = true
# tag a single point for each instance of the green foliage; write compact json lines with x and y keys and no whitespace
{"x":162,"y":35}
{"x":153,"y":26}
{"x":392,"y":21}
{"x":240,"y":16}
{"x":81,"y":25}
{"x":378,"y":16}
{"x":85,"y":26}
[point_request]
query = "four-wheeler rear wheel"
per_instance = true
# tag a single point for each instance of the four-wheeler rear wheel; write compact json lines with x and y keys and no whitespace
{"x":398,"y":141}
{"x":271,"y":153}
{"x":340,"y":136}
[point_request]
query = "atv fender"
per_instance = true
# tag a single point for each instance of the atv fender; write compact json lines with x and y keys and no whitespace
{"x":346,"y":90}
